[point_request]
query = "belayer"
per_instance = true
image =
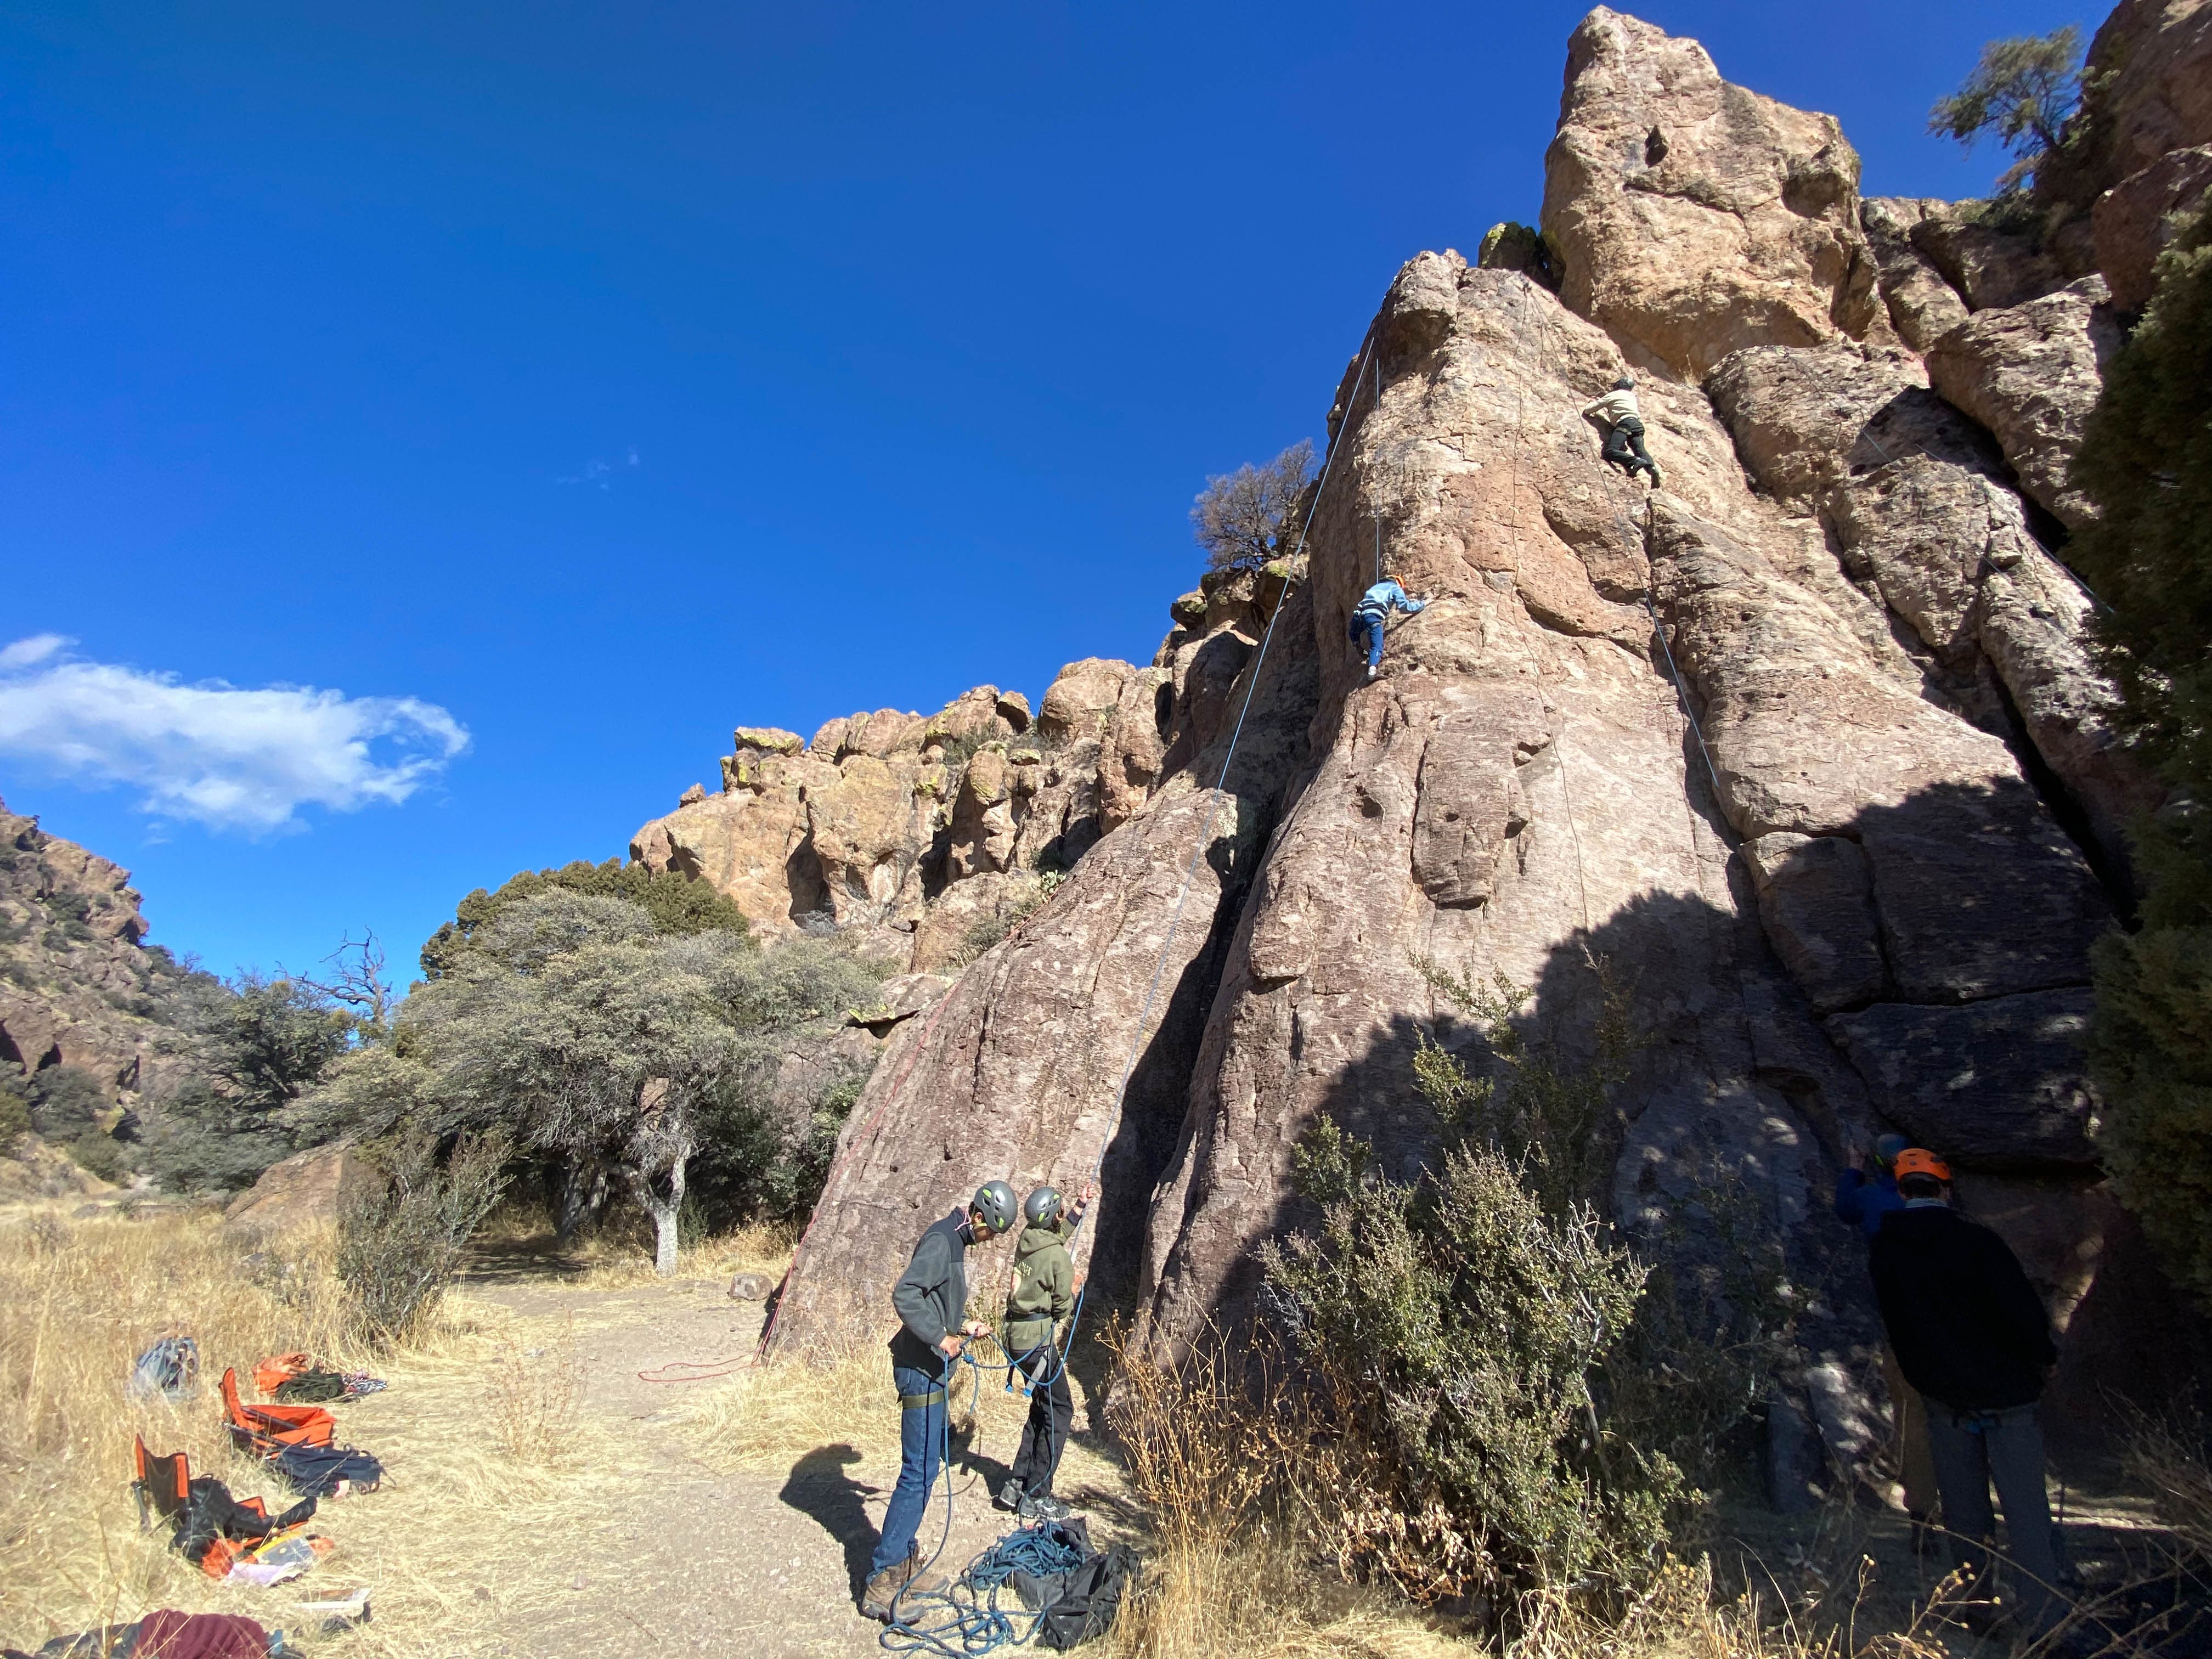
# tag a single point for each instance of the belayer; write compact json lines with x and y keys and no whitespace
{"x":1865,"y":1199}
{"x":1622,"y":422}
{"x":1365,"y":625}
{"x":931,"y":1300}
{"x":1972,"y":1335}
{"x":1044,"y":1294}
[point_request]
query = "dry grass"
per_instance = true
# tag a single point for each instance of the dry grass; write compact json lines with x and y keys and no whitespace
{"x":457,"y":1535}
{"x":535,"y":1394}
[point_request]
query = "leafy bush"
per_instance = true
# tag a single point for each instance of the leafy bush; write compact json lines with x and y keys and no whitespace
{"x":1514,"y":1401}
{"x":672,"y":902}
{"x":402,"y":1236}
{"x":15,"y":1121}
{"x":1246,"y":513}
{"x":65,"y":1103}
{"x":253,"y":1048}
{"x":2146,"y":459}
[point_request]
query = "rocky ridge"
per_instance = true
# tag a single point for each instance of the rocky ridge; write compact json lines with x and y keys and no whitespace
{"x":77,"y":985}
{"x":1806,"y":744}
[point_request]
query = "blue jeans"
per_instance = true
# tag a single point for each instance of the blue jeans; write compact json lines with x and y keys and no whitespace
{"x":922,"y":1431}
{"x":1971,"y":1450}
{"x":1368,"y":625}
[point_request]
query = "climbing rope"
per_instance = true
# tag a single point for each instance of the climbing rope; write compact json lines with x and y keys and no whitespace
{"x":966,"y":1618}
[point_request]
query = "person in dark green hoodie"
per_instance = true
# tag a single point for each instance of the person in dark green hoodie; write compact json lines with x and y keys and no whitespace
{"x":1044,"y":1294}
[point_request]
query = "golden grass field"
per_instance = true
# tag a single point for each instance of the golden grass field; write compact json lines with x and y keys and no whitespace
{"x":503,"y":1482}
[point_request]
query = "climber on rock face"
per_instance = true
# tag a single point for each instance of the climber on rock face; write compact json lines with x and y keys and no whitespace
{"x":1865,"y":1199}
{"x":1044,"y":1294}
{"x":1365,"y":625}
{"x":931,"y":1300}
{"x":1972,"y":1336}
{"x":1622,"y":422}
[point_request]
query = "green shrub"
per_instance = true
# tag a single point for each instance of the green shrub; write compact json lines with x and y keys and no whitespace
{"x":2146,"y":459}
{"x":99,"y":1155}
{"x":675,"y":903}
{"x":15,"y":1121}
{"x":402,"y":1234}
{"x":1513,"y":1399}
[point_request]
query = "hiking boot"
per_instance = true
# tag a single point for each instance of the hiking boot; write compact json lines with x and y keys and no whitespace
{"x":1043,"y":1506}
{"x":1373,"y":670}
{"x":1008,"y":1497}
{"x":883,"y":1588}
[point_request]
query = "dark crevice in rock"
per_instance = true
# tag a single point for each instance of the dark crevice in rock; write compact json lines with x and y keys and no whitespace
{"x":2065,"y":807}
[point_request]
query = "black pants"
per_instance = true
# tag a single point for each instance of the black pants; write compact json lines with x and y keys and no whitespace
{"x":1052,"y":1411}
{"x":1624,"y":446}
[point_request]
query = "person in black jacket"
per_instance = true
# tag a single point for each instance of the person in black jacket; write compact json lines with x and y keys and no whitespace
{"x":931,"y":1300}
{"x":1972,"y":1335}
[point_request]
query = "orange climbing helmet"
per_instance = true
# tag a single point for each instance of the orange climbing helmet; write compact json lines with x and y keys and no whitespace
{"x":1919,"y":1161}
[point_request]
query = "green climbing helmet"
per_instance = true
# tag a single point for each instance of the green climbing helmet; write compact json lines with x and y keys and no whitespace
{"x":1041,"y":1207}
{"x":994,"y":1202}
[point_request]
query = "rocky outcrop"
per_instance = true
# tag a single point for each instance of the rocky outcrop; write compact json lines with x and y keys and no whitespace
{"x":1693,"y":217}
{"x":77,"y":985}
{"x":1805,"y":747}
{"x":2031,"y":374}
{"x":2133,"y":222}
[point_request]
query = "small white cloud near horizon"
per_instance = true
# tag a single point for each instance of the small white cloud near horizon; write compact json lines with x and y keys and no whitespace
{"x":220,"y":755}
{"x":601,"y":474}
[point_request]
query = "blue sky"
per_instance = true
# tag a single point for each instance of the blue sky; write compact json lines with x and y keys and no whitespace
{"x":592,"y":379}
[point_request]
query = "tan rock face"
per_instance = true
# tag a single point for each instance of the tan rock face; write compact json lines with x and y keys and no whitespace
{"x":1845,"y":904}
{"x":304,"y":1190}
{"x":2158,"y":98}
{"x":1914,"y":496}
{"x":1693,"y":217}
{"x":1923,"y":305}
{"x":2134,"y":221}
{"x":2031,"y":374}
{"x":81,"y":988}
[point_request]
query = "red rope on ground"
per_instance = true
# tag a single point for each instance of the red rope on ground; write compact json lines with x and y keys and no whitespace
{"x":707,"y":1370}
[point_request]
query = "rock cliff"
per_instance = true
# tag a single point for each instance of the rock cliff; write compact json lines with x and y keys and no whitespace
{"x":77,"y":985}
{"x":1805,"y":744}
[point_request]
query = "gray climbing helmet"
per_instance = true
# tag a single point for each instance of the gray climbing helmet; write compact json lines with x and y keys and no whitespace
{"x":1041,"y":1207}
{"x":994,"y":1202}
{"x":1625,"y":383}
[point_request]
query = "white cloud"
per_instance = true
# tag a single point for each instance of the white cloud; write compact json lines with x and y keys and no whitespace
{"x":224,"y":757}
{"x":601,"y":474}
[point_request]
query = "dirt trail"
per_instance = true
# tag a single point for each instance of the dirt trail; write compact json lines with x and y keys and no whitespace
{"x":708,"y":1561}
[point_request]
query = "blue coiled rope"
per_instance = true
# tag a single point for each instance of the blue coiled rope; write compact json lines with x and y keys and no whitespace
{"x":966,"y":1620}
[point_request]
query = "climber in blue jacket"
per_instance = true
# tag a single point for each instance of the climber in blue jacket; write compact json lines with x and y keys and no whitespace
{"x":1366,"y":621}
{"x":1863,"y":1200}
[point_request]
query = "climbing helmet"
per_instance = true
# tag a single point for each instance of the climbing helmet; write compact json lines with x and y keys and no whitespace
{"x":1041,"y":1207}
{"x":994,"y":1202}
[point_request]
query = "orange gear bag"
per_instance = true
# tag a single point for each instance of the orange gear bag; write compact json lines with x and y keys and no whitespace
{"x":266,"y":1430}
{"x":269,"y":1372}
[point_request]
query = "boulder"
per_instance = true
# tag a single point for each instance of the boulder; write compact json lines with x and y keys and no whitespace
{"x":1816,"y":900}
{"x":1997,"y":1084}
{"x":1081,"y":697}
{"x":1987,"y":266}
{"x":304,"y":1190}
{"x":1692,"y":218}
{"x":2133,"y":220}
{"x":1922,"y":306}
{"x":2031,"y":374}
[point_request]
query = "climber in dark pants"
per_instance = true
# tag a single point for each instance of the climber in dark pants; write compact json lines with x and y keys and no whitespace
{"x":931,"y":1300}
{"x":1972,"y":1336}
{"x":1044,"y":1294}
{"x":1623,"y":421}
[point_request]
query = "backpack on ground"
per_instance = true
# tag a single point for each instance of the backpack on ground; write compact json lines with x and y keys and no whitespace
{"x":297,"y":1440}
{"x":1073,"y":1606}
{"x":168,"y":1371}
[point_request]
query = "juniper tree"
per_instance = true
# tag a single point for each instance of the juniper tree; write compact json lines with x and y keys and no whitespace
{"x":2023,"y":90}
{"x":2146,"y":459}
